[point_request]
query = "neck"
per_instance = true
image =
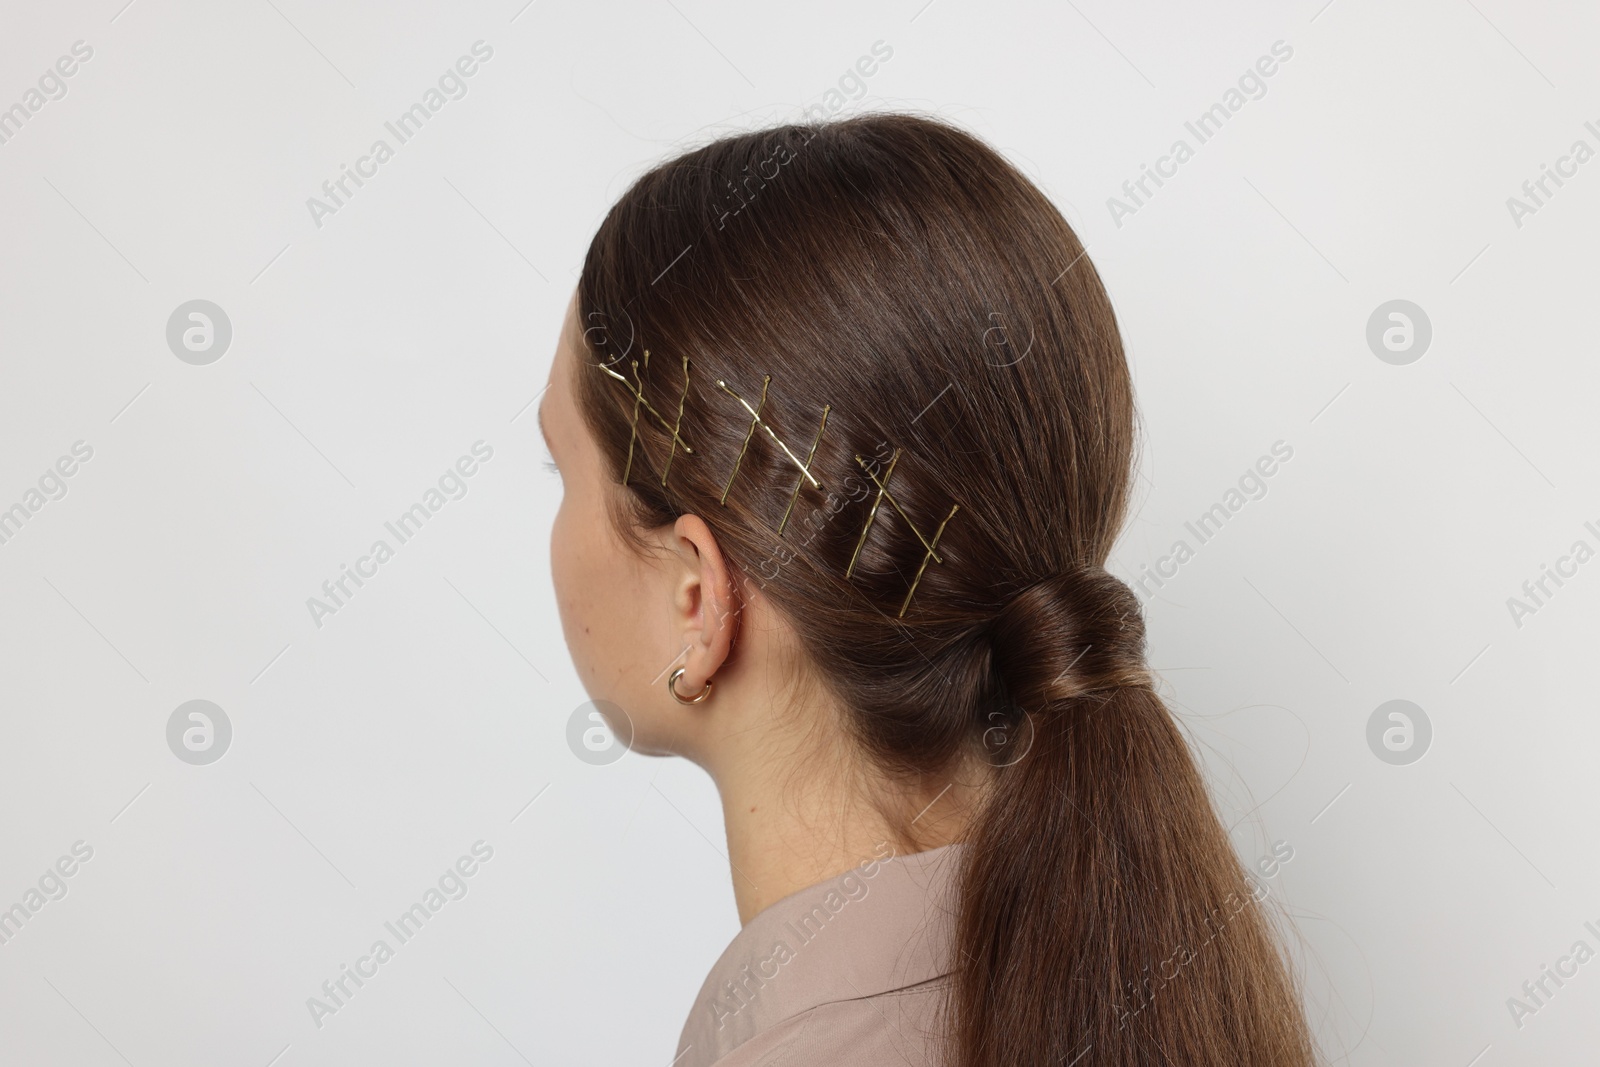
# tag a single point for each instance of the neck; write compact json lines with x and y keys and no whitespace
{"x":796,"y":816}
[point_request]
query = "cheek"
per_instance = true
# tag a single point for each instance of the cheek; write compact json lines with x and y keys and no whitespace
{"x":619,"y":645}
{"x":570,"y":575}
{"x":561,"y":562}
{"x":589,"y":574}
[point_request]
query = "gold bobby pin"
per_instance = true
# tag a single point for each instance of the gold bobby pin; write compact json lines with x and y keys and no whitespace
{"x":936,"y":534}
{"x":672,"y":449}
{"x":766,"y":379}
{"x":809,"y":457}
{"x":758,"y":420}
{"x":633,"y":426}
{"x":636,"y":387}
{"x":871,"y":514}
{"x":883,"y":491}
{"x":638,"y":396}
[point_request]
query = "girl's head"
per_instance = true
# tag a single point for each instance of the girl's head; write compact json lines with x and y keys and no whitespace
{"x":847,"y":431}
{"x":900,"y":277}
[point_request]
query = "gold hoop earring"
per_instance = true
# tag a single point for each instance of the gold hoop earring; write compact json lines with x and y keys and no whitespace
{"x":672,"y":687}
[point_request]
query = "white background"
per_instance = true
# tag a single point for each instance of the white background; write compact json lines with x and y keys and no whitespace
{"x":372,"y":351}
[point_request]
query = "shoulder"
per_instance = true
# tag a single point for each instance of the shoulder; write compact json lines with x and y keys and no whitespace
{"x":901,"y":1026}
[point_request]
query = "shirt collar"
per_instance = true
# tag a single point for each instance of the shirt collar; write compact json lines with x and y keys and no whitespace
{"x":883,"y":925}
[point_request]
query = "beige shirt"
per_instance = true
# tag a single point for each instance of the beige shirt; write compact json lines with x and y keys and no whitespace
{"x":851,"y":971}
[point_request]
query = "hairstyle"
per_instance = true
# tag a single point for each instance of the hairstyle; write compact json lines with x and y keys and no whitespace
{"x":902,"y":274}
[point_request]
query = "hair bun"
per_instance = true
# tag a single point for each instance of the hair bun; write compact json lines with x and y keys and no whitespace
{"x":1073,"y":633}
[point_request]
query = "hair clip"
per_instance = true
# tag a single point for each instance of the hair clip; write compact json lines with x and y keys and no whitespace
{"x":633,"y":426}
{"x":794,"y":496}
{"x":639,"y":401}
{"x":636,"y":387}
{"x":936,"y":535}
{"x":873,"y":513}
{"x":884,"y":494}
{"x":758,"y":421}
{"x":749,"y":433}
{"x":672,"y":446}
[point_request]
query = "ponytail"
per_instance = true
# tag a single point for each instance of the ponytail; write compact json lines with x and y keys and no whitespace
{"x":1105,"y":919}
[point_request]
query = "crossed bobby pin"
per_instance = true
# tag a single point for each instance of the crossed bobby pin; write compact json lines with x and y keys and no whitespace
{"x":636,"y":388}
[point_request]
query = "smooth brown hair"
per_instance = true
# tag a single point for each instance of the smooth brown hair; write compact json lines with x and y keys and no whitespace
{"x":900,"y":272}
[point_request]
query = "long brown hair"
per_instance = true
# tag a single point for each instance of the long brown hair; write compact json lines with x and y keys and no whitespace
{"x":902,"y":274}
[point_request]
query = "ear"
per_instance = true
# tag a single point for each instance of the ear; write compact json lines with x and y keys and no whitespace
{"x":706,"y":602}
